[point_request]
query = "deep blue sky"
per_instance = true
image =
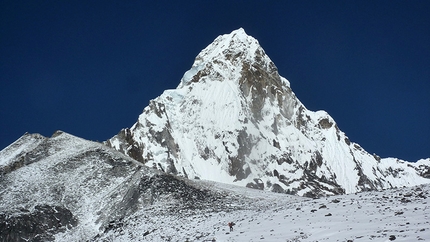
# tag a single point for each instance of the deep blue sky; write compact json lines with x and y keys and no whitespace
{"x":90,"y":67}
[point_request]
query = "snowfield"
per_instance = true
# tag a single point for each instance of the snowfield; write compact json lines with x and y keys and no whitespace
{"x":397,"y":214}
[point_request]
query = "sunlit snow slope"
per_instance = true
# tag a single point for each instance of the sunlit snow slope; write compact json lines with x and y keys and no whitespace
{"x":234,"y":119}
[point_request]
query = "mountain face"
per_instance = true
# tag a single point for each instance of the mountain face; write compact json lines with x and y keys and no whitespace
{"x":234,"y":119}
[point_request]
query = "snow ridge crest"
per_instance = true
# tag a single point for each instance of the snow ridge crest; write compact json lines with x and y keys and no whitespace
{"x":237,"y":41}
{"x":227,"y":56}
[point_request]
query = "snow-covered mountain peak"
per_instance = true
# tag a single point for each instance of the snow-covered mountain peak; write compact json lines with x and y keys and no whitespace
{"x":234,"y":119}
{"x":229,"y":46}
{"x":237,"y":41}
{"x":227,"y":57}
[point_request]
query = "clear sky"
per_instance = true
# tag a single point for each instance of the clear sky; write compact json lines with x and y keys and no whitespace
{"x":90,"y":67}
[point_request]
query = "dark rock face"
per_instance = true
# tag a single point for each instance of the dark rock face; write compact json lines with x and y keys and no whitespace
{"x":257,"y":184}
{"x":425,"y":171}
{"x":325,"y":123}
{"x":39,"y":225}
{"x":128,"y":146}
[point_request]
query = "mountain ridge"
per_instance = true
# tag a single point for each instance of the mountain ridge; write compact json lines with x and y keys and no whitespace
{"x":68,"y":185}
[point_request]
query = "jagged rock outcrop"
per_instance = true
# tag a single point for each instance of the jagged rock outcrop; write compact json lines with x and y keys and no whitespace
{"x":234,"y":119}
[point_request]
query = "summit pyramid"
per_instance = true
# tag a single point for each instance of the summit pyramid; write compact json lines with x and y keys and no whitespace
{"x":234,"y":119}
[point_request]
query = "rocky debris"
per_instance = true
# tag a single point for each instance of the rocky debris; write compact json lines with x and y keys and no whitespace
{"x":187,"y":196}
{"x":39,"y":225}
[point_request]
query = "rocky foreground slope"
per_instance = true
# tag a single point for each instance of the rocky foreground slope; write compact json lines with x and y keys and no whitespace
{"x":65,"y":188}
{"x":234,"y":119}
{"x":65,"y":184}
